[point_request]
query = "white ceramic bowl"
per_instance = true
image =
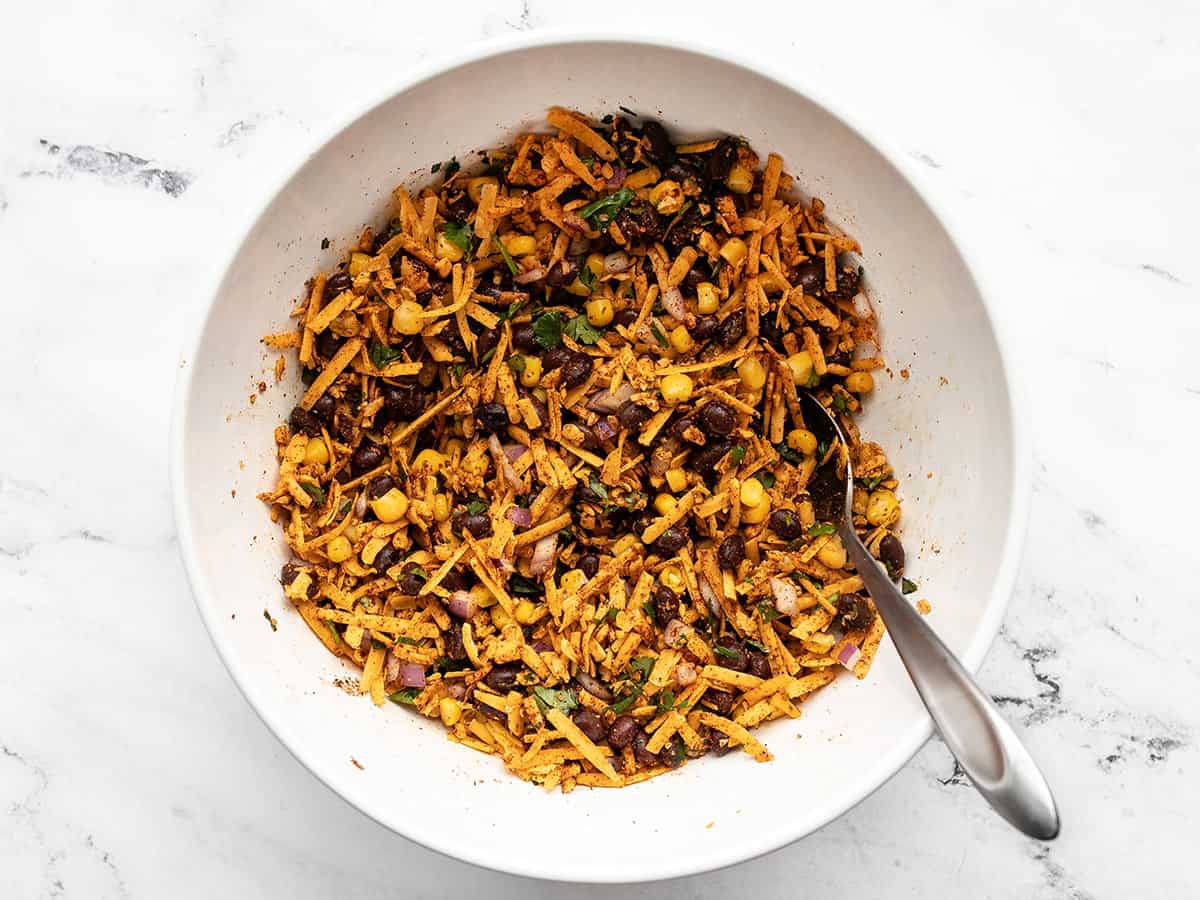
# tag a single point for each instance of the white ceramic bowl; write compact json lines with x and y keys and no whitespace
{"x":957,"y":444}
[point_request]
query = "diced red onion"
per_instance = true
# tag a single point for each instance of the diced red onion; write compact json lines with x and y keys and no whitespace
{"x":672,"y":301}
{"x":391,"y":668}
{"x":456,"y":688}
{"x":543,"y":555}
{"x":674,"y":630}
{"x":604,"y":402}
{"x":849,"y":655}
{"x":412,"y":674}
{"x":537,"y":273}
{"x":540,"y":647}
{"x":603,"y":430}
{"x":617,"y":262}
{"x":360,"y":504}
{"x":505,"y":565}
{"x":462,"y":604}
{"x":519,"y":516}
{"x":786,"y":600}
{"x":709,"y":595}
{"x":593,"y":687}
{"x":514,"y":452}
{"x":685,"y":674}
{"x":510,"y":474}
{"x":618,"y":176}
{"x":579,"y":246}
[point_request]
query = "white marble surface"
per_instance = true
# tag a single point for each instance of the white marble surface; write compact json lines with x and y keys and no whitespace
{"x":1066,"y":135}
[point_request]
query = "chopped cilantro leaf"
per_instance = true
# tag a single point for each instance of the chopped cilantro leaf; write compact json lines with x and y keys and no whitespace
{"x":508,"y":260}
{"x":401,"y":639}
{"x":768,"y":612}
{"x":658,"y":335}
{"x":840,"y":402}
{"x":820,"y":529}
{"x":587,"y":278}
{"x":726,"y":652}
{"x":526,"y":587}
{"x":787,"y":454}
{"x":601,"y":212}
{"x":547,"y":330}
{"x":382,"y":355}
{"x":562,"y":700}
{"x":737,"y":454}
{"x":580,"y":329}
{"x":445,"y":664}
{"x":598,"y":487}
{"x":406,"y":696}
{"x":345,"y":507}
{"x":908,"y":586}
{"x":514,"y":308}
{"x":314,"y":491}
{"x":476,"y":506}
{"x":516,"y":362}
{"x":666,"y":700}
{"x":756,"y":645}
{"x":625,"y":703}
{"x":813,"y":379}
{"x":766,"y":479}
{"x":324,"y":243}
{"x":642,"y":666}
{"x":460,"y":234}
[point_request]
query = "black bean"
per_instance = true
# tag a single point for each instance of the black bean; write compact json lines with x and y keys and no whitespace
{"x":670,"y":541}
{"x":891,"y":554}
{"x":760,"y":665}
{"x":562,"y":273}
{"x":288,"y":573}
{"x":671,"y":755}
{"x":695,"y":275}
{"x":303,"y":421}
{"x":718,"y":742}
{"x":492,"y":418}
{"x":386,"y":558}
{"x":522,"y":337}
{"x":345,"y":431}
{"x":683,"y":426}
{"x":324,"y":407}
{"x":621,"y":732}
{"x":556,"y":358}
{"x":786,"y":524}
{"x":328,"y":344}
{"x":337,"y":284}
{"x":811,"y":276}
{"x":589,"y":723}
{"x":411,"y":579}
{"x":479,"y":524}
{"x":365,"y":458}
{"x":732,"y":329}
{"x":854,"y":611}
{"x":503,"y":677}
{"x":498,"y":714}
{"x":454,"y":642}
{"x":406,"y":401}
{"x":460,"y":207}
{"x":666,"y":605}
{"x":589,"y":564}
{"x":705,"y":459}
{"x":731,"y":655}
{"x":847,"y":284}
{"x":705,"y":328}
{"x":587,"y":438}
{"x":633,"y":415}
{"x":716,"y":418}
{"x":625,"y":317}
{"x":487,"y":341}
{"x":721,"y":702}
{"x":576,"y":370}
{"x":456,"y":580}
{"x":639,"y":222}
{"x":721,"y":159}
{"x":731,"y":552}
{"x":641,"y":755}
{"x":381,"y":486}
{"x":660,"y":150}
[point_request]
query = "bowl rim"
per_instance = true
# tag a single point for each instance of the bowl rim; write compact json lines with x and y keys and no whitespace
{"x":750,"y":845}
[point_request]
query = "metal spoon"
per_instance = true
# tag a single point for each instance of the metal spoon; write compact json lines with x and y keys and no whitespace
{"x":984,"y":744}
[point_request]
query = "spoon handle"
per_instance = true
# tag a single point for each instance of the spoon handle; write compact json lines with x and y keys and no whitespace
{"x":984,"y":744}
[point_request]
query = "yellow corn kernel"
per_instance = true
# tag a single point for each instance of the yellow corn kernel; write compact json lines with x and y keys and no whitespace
{"x":475,"y":186}
{"x":453,"y":450}
{"x":752,"y":515}
{"x":620,"y":545}
{"x":860,"y":383}
{"x":316,"y":452}
{"x":677,"y":480}
{"x":447,"y":249}
{"x":351,"y":533}
{"x":475,"y":465}
{"x":339,"y":549}
{"x":500,"y":616}
{"x":520,"y":244}
{"x":664,"y":504}
{"x":430,"y":460}
{"x":532,"y":373}
{"x":676,"y":388}
{"x":450,"y":711}
{"x":441,"y":507}
{"x":681,"y":340}
{"x":752,"y":373}
{"x":881,"y":507}
{"x":526,"y":612}
{"x":832,"y":553}
{"x":391,"y":507}
{"x":595,"y":262}
{"x":707,"y":298}
{"x":858,"y":501}
{"x":406,"y":318}
{"x":599,"y":311}
{"x":801,"y":364}
{"x":667,"y":197}
{"x":670,"y":577}
{"x":359,"y":263}
{"x":574,"y":579}
{"x":802,"y":441}
{"x":751,"y":492}
{"x":740,"y":179}
{"x":482,"y":596}
{"x":578,"y":288}
{"x":733,"y":251}
{"x":821,"y":642}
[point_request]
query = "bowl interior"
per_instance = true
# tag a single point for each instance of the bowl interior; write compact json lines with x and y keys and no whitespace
{"x":942,"y":412}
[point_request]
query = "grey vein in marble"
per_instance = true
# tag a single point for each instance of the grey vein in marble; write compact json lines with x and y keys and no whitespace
{"x":112,"y":165}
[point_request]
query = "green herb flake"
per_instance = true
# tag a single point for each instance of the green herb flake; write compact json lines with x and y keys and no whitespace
{"x":658,"y":335}
{"x":547,"y":330}
{"x":787,"y":454}
{"x":908,"y":586}
{"x":515,"y":307}
{"x":271,"y":620}
{"x":460,"y":234}
{"x":756,"y":645}
{"x":598,"y":487}
{"x":666,"y":700}
{"x":601,"y":212}
{"x":737,"y":454}
{"x":381,"y":355}
{"x":450,"y":168}
{"x":625,"y":704}
{"x":768,"y":612}
{"x":324,"y":243}
{"x":641,"y":666}
{"x":588,"y":278}
{"x":487,"y":357}
{"x":766,"y":479}
{"x":813,"y":379}
{"x":525,"y":587}
{"x":445,"y":664}
{"x":508,"y":260}
{"x":839,"y":402}
{"x":314,"y":491}
{"x":477,"y":506}
{"x":871,"y":483}
{"x":345,"y":507}
{"x":726,"y":652}
{"x":822,"y":449}
{"x":405,"y":696}
{"x":821,"y":529}
{"x":548,"y":698}
{"x":581,"y":330}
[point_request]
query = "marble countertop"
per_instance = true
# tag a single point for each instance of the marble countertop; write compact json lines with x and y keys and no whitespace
{"x":1065,"y":135}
